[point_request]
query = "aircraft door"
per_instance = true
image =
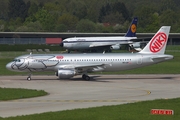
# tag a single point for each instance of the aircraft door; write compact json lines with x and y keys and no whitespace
{"x":29,"y":60}
{"x":139,"y":59}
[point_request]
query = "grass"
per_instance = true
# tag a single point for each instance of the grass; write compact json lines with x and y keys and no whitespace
{"x":18,"y":93}
{"x":131,"y":111}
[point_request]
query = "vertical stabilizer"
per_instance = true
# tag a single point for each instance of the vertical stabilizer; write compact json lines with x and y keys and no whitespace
{"x":132,"y":28}
{"x":157,"y":44}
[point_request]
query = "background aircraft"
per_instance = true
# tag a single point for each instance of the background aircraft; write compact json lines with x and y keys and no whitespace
{"x":69,"y":65}
{"x":100,"y":44}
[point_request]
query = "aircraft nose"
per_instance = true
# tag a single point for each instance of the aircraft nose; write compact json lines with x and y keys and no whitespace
{"x":8,"y":66}
{"x":61,"y":44}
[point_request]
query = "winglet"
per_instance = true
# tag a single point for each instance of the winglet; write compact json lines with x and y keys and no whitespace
{"x":158,"y":43}
{"x":132,"y":28}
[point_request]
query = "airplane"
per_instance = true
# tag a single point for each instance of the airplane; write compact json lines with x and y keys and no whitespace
{"x":95,"y":44}
{"x":67,"y":65}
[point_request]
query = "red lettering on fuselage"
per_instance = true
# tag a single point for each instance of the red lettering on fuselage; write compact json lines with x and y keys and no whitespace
{"x":59,"y":57}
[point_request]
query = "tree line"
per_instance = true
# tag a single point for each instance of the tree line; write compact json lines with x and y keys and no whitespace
{"x":87,"y":16}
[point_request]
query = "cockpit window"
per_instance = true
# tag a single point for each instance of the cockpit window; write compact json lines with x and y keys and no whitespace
{"x":17,"y":60}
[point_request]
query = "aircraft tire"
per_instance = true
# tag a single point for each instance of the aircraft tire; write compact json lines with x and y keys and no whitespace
{"x":85,"y":77}
{"x":29,"y":78}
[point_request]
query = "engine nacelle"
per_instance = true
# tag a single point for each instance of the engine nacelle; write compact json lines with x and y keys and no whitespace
{"x":115,"y":47}
{"x":65,"y":73}
{"x":136,"y":45}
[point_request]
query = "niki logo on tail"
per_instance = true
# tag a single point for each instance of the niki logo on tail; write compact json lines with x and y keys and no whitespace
{"x":158,"y":42}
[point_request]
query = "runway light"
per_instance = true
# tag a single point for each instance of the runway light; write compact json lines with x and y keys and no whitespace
{"x":162,"y":112}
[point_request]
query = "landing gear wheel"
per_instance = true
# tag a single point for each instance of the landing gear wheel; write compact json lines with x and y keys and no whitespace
{"x":85,"y":77}
{"x":28,"y":78}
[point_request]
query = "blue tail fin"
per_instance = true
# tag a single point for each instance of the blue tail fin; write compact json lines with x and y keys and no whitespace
{"x":132,"y":29}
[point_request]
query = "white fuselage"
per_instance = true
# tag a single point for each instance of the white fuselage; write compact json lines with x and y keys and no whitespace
{"x":92,"y":42}
{"x":94,"y":62}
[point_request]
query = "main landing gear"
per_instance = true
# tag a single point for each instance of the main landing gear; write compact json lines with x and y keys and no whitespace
{"x":85,"y":77}
{"x":29,"y":77}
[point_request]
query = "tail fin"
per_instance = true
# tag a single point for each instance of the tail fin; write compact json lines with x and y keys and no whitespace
{"x":132,"y":29}
{"x":157,"y":44}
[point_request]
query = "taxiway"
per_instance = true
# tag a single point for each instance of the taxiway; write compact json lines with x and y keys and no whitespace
{"x":76,"y":93}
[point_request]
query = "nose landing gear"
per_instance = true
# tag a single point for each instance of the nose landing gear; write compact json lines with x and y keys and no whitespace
{"x":29,"y":77}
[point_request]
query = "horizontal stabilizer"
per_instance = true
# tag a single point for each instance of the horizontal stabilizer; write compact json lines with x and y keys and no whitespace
{"x":162,"y":58}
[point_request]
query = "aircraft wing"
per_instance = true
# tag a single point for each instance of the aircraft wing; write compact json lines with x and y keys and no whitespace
{"x":109,"y":44}
{"x":87,"y":67}
{"x":141,"y":40}
{"x":100,"y":45}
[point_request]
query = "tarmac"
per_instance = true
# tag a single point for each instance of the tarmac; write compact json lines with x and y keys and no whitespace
{"x":102,"y":90}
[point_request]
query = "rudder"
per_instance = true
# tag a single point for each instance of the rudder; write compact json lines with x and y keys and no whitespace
{"x":132,"y":28}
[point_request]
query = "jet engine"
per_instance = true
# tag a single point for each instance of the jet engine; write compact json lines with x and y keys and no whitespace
{"x":65,"y":73}
{"x":115,"y":47}
{"x":135,"y":46}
